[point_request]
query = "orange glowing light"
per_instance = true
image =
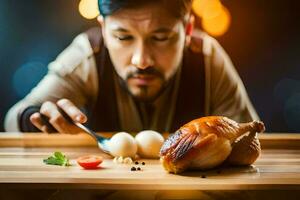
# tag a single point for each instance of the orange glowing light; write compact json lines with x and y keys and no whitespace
{"x":207,"y":8}
{"x":88,"y":8}
{"x":218,"y":25}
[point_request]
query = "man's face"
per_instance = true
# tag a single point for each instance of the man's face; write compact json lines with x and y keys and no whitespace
{"x":146,"y":47}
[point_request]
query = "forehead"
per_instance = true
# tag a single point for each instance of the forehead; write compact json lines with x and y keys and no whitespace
{"x":147,"y":17}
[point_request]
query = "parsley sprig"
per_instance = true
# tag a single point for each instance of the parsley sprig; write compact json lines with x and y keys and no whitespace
{"x":58,"y":158}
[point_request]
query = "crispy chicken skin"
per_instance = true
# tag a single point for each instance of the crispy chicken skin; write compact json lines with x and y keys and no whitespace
{"x":207,"y":142}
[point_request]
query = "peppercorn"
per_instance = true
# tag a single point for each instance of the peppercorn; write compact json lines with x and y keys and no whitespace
{"x":136,"y":162}
{"x":143,"y":163}
{"x":133,"y":169}
{"x":139,"y":169}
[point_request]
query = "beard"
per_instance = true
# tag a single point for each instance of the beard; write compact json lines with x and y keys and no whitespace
{"x":147,"y":92}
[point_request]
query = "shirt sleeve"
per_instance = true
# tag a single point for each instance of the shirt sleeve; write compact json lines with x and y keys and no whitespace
{"x":226,"y":92}
{"x":72,"y":75}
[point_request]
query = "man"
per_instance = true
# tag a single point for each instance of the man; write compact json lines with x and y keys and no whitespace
{"x":144,"y":69}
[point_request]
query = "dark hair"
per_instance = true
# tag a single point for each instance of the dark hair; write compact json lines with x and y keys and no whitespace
{"x":178,"y":8}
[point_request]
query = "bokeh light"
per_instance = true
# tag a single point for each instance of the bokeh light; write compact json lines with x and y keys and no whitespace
{"x":219,"y":24}
{"x":287,"y":94}
{"x":215,"y":16}
{"x":207,"y":8}
{"x":292,"y":112}
{"x":88,"y":8}
{"x":27,"y":76}
{"x":286,"y":88}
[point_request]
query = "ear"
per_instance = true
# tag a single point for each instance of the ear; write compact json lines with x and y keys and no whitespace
{"x":189,"y":29}
{"x":190,"y":26}
{"x":100,"y":20}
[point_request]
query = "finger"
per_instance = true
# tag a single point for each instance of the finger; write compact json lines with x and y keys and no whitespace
{"x":50,"y":110}
{"x":37,"y":121}
{"x":71,"y":110}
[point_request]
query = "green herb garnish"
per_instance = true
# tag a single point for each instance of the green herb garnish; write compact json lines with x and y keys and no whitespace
{"x":57,"y":159}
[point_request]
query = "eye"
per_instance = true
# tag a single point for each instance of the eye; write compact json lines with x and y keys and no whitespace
{"x":160,"y":38}
{"x":124,"y":38}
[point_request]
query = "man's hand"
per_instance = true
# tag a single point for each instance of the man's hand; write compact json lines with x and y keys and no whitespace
{"x":56,"y":118}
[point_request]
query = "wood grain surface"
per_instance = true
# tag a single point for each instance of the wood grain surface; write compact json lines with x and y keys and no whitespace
{"x":21,"y":165}
{"x":267,"y":140}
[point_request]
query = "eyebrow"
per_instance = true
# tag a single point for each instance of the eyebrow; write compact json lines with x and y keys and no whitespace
{"x":119,"y":29}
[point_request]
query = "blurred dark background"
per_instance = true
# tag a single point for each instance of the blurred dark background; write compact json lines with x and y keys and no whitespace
{"x":263,"y":42}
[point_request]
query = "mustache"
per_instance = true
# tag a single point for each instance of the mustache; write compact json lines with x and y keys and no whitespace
{"x":133,"y":72}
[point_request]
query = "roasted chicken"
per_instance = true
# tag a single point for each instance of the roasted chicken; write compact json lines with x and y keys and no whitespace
{"x":207,"y":142}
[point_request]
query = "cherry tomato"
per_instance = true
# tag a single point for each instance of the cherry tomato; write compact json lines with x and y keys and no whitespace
{"x":90,"y":161}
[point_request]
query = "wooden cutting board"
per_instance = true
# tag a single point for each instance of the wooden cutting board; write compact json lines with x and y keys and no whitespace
{"x":267,"y":140}
{"x":277,"y":168}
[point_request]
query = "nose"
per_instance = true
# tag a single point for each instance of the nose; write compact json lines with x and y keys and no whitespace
{"x":141,"y":57}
